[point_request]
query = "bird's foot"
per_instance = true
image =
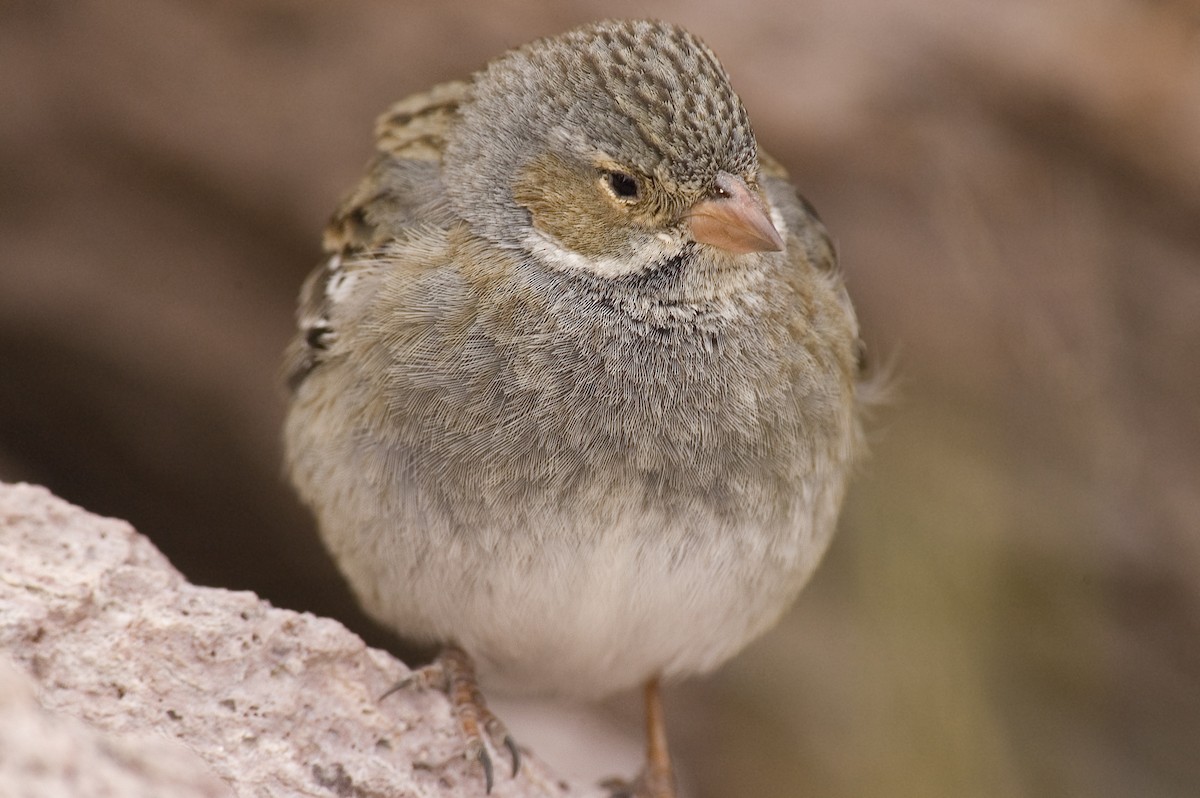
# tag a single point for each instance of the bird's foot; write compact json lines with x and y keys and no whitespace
{"x":646,"y":785}
{"x":657,"y":779}
{"x":453,"y":673}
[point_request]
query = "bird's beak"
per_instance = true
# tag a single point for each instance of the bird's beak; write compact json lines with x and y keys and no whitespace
{"x":734,"y":219}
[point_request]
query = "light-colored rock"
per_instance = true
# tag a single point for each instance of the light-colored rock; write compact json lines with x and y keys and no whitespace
{"x":173,"y":688}
{"x":45,"y":754}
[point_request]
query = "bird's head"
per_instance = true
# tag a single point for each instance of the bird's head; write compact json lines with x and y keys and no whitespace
{"x":610,"y":149}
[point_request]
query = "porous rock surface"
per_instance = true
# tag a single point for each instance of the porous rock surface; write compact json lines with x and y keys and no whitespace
{"x":122,"y":679}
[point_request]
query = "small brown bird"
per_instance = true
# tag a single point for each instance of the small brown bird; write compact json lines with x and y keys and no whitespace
{"x":574,"y":394}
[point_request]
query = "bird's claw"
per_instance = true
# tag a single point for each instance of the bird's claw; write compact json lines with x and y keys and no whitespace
{"x":453,"y":673}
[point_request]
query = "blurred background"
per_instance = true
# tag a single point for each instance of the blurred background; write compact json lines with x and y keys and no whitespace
{"x":1012,"y":607}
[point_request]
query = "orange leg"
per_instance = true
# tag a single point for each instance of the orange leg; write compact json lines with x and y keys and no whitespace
{"x":453,"y":673}
{"x":658,"y":779}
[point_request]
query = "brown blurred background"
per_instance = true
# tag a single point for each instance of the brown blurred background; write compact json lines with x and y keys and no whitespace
{"x":1013,"y":605}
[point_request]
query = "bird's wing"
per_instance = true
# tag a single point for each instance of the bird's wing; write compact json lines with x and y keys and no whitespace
{"x":816,"y":245}
{"x":400,"y":197}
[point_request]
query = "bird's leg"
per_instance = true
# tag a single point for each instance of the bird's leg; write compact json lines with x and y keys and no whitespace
{"x":453,"y":672}
{"x":657,"y":779}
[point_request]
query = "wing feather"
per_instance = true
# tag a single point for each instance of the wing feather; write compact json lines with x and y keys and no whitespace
{"x":400,"y":195}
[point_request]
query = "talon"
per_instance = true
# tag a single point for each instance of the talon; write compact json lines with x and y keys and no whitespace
{"x":425,"y":677}
{"x":403,"y":684}
{"x":511,"y":745}
{"x":485,"y":759}
{"x":617,"y":788}
{"x":454,"y":674}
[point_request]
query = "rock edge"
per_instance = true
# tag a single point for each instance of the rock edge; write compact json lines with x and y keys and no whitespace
{"x":148,"y":685}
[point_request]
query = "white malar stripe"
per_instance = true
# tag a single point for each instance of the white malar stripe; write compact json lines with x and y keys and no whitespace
{"x":556,"y":256}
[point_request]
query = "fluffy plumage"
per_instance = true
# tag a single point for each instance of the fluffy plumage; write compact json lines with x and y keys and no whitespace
{"x":550,"y":421}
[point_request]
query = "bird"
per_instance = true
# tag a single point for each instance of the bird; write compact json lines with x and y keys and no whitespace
{"x":577,"y":390}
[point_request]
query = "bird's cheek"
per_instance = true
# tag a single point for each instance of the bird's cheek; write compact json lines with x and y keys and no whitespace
{"x":564,"y":206}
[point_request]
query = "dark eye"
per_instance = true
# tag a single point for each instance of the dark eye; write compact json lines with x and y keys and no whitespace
{"x":623,"y":185}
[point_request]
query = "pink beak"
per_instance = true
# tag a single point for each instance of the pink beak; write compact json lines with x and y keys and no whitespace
{"x":735,"y":219}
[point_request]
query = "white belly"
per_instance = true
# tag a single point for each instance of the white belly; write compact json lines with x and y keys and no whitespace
{"x":584,"y":611}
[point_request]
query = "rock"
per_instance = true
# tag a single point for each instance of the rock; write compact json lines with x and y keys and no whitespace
{"x":45,"y":754}
{"x":149,"y":685}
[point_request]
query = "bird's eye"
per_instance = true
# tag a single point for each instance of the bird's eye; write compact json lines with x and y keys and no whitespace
{"x":623,"y":185}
